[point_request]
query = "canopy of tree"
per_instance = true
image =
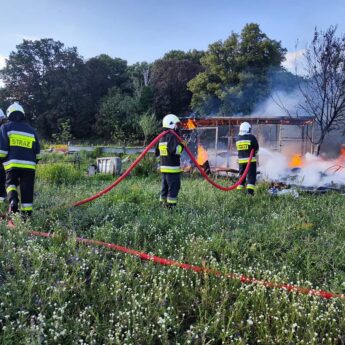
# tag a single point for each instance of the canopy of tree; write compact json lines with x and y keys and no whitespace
{"x":236,"y":74}
{"x":104,"y":99}
{"x":169,"y":82}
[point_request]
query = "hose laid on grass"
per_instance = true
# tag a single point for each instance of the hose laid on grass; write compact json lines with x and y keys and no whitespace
{"x":202,"y":269}
{"x":167,"y":262}
{"x":141,"y":156}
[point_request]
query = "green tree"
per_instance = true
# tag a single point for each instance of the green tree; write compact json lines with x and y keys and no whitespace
{"x":191,"y":55}
{"x":117,"y":118}
{"x":48,"y":79}
{"x":64,"y":134}
{"x":4,"y":99}
{"x":104,"y":73}
{"x":236,"y":72}
{"x":169,"y":82}
{"x":140,"y":75}
{"x":149,"y":125}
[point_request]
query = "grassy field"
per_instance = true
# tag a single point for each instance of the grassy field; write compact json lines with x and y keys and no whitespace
{"x":55,"y":291}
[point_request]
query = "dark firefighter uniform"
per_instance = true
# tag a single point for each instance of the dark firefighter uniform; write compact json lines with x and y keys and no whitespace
{"x":3,"y":193}
{"x":169,"y":150}
{"x":244,"y":144}
{"x":19,"y":151}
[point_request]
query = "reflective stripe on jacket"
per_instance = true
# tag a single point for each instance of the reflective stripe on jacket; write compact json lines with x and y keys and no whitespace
{"x":244,"y":144}
{"x":19,"y":145}
{"x":169,"y":150}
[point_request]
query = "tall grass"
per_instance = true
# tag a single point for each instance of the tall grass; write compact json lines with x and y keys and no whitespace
{"x":60,"y":173}
{"x":55,"y":291}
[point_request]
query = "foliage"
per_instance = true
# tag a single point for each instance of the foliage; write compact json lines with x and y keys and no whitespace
{"x":60,"y":173}
{"x":50,"y":157}
{"x":140,"y":76}
{"x":55,"y":291}
{"x":149,"y":125}
{"x":104,"y":73}
{"x":235,"y":76}
{"x":48,"y":80}
{"x":192,"y":55}
{"x":282,"y":80}
{"x":64,"y":134}
{"x":117,"y":114}
{"x":97,"y":152}
{"x":146,"y":167}
{"x":169,"y":82}
{"x":104,"y":97}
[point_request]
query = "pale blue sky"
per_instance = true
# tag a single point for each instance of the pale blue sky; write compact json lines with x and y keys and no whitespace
{"x":144,"y":30}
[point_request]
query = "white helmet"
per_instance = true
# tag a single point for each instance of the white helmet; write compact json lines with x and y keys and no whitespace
{"x":2,"y":115}
{"x":170,"y":121}
{"x":14,"y":107}
{"x":245,"y":128}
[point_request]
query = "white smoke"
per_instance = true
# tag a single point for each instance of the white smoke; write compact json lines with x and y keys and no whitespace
{"x":314,"y":172}
{"x":280,"y":103}
{"x":272,"y":165}
{"x":295,"y":61}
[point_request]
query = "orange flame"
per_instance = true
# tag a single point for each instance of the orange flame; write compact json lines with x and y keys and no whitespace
{"x":296,"y":161}
{"x":202,"y":155}
{"x":191,"y":124}
{"x":342,"y":150}
{"x":341,"y":158}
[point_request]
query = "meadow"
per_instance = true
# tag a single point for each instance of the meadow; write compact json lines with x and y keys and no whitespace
{"x":56,"y":291}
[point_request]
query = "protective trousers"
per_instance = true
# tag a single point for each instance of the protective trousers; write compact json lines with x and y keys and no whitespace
{"x":171,"y":184}
{"x":25,"y":179}
{"x":2,"y":183}
{"x":250,"y":178}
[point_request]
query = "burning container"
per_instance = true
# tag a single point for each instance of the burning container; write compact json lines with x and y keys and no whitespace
{"x":213,"y":138}
{"x":285,"y":155}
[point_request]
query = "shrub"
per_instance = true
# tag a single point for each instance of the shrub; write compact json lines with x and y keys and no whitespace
{"x":51,"y":157}
{"x":146,"y":167}
{"x":59,"y":173}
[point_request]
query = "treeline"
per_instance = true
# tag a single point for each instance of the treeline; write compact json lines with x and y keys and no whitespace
{"x":106,"y":99}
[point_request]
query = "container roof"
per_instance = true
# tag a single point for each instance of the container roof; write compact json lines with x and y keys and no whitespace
{"x":237,"y":120}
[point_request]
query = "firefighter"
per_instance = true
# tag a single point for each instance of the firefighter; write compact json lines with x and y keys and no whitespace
{"x":244,"y":144}
{"x":169,"y":150}
{"x":19,"y":150}
{"x":2,"y":171}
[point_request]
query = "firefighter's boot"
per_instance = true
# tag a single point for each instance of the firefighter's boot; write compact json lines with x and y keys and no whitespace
{"x":13,"y":206}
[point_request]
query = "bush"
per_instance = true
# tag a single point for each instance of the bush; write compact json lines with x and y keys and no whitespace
{"x":146,"y":167}
{"x":59,"y":173}
{"x":49,"y":157}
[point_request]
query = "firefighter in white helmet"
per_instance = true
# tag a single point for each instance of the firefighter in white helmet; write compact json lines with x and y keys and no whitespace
{"x":2,"y":171}
{"x":169,"y":150}
{"x":19,"y":151}
{"x":245,"y":142}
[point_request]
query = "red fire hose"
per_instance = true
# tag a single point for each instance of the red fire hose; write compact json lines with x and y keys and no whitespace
{"x":125,"y":174}
{"x":201,"y":269}
{"x":168,"y":262}
{"x":141,"y":156}
{"x":226,"y":189}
